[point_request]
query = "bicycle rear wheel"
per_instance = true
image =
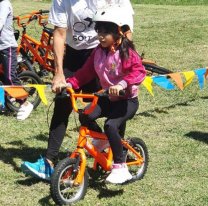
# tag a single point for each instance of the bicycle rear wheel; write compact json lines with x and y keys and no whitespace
{"x":155,"y":69}
{"x":26,"y":77}
{"x":137,"y":171}
{"x":62,"y":189}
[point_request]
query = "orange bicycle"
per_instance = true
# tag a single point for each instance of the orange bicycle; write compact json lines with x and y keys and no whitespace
{"x":33,"y":50}
{"x":69,"y":180}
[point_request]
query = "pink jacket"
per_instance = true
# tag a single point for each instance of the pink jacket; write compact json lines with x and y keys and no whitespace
{"x":111,"y":70}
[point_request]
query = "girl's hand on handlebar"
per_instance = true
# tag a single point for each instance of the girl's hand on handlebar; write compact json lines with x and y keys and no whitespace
{"x":114,"y":90}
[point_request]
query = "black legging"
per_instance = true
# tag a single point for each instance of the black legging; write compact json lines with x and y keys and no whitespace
{"x":73,"y":60}
{"x":8,"y":59}
{"x":117,"y":114}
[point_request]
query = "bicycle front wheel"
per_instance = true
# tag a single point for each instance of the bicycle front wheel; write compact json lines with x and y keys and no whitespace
{"x":155,"y":69}
{"x":137,"y":171}
{"x":62,"y":189}
{"x":25,"y":77}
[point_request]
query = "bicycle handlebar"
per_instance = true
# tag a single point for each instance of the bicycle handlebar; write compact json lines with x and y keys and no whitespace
{"x":70,"y":92}
{"x":105,"y":93}
{"x":44,"y":11}
{"x":33,"y":18}
{"x":34,"y":15}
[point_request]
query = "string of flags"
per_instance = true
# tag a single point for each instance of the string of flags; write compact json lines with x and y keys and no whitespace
{"x":19,"y":92}
{"x":164,"y":81}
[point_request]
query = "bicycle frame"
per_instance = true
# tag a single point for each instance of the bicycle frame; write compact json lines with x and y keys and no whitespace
{"x":104,"y":159}
{"x":26,"y":43}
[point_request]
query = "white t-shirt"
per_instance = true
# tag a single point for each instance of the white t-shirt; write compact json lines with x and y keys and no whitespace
{"x":7,"y":38}
{"x":76,"y":16}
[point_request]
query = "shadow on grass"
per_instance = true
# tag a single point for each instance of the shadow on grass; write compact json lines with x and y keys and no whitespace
{"x":17,"y":149}
{"x":97,"y":182}
{"x":30,"y":181}
{"x":45,"y":200}
{"x":199,"y":136}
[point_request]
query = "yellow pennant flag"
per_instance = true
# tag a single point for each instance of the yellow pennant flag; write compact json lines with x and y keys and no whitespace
{"x":148,"y":84}
{"x":189,"y":76}
{"x":41,"y":92}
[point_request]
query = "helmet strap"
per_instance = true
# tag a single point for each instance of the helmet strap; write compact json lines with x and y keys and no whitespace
{"x":118,"y":42}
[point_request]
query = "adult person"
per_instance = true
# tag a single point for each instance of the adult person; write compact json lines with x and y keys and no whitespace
{"x":73,"y":24}
{"x":8,"y":55}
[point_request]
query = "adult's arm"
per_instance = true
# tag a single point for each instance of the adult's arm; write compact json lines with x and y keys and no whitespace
{"x":59,"y":37}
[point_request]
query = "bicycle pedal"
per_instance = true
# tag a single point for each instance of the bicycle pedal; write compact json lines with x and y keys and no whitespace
{"x":43,"y":73}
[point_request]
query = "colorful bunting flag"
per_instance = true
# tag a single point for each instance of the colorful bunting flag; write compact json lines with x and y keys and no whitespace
{"x":41,"y":92}
{"x":148,"y":84}
{"x":200,"y":73}
{"x":2,"y":99}
{"x":19,"y":92}
{"x":177,"y":78}
{"x":189,"y":77}
{"x":163,"y":82}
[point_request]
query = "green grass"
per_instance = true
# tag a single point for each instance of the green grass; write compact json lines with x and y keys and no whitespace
{"x":171,"y":2}
{"x":173,"y":124}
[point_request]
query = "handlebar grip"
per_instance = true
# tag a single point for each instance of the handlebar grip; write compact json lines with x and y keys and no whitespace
{"x":106,"y":92}
{"x":62,"y":95}
{"x":33,"y":18}
{"x":43,"y":11}
{"x":122,"y":92}
{"x":14,"y":18}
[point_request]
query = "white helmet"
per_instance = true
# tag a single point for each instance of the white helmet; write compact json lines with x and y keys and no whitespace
{"x":114,"y":13}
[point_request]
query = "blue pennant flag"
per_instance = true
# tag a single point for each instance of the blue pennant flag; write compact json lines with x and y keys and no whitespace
{"x":200,"y":73}
{"x":2,"y":99}
{"x":163,"y":82}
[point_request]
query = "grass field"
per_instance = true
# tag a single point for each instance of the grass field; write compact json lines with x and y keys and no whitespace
{"x":171,"y":2}
{"x":173,"y":123}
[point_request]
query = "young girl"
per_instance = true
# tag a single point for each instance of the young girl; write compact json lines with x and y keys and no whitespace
{"x":118,"y":67}
{"x":8,"y":55}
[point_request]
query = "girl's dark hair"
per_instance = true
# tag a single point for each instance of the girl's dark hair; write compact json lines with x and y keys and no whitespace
{"x":112,"y":28}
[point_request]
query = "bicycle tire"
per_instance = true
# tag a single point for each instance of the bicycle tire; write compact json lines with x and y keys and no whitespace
{"x":62,"y":190}
{"x":155,"y":69}
{"x":26,"y":77}
{"x":24,"y":65}
{"x":137,"y":171}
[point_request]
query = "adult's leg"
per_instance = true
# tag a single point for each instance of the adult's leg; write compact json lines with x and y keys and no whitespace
{"x":9,"y":63}
{"x":119,"y":113}
{"x":58,"y":127}
{"x":73,"y":60}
